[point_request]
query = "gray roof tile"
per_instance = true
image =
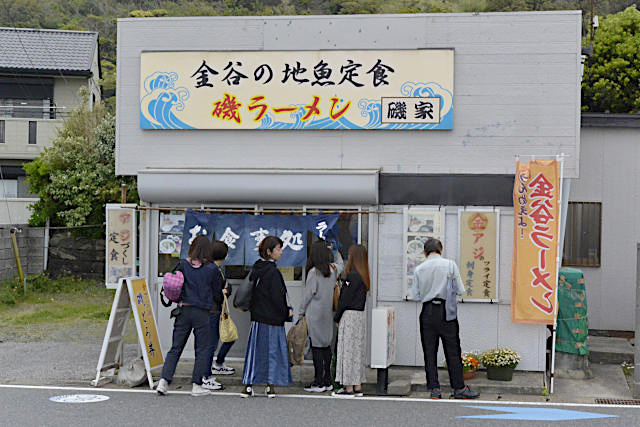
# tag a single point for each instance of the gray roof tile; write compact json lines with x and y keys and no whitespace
{"x":33,"y":49}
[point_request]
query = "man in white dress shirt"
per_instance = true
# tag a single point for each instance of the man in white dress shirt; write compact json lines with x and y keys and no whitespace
{"x":430,"y":287}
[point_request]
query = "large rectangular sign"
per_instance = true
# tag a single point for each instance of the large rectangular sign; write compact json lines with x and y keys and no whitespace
{"x":479,"y":231}
{"x":338,"y":89}
{"x":120,"y":256}
{"x":536,"y":198}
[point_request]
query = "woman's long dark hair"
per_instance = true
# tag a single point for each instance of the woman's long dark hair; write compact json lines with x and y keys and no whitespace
{"x":319,"y":258}
{"x":359,"y":260}
{"x":199,"y":249}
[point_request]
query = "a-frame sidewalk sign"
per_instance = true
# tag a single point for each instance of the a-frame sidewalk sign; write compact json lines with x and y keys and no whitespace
{"x":132,"y":294}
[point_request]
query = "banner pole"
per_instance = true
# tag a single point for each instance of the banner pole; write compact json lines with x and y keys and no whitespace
{"x":558,"y":258}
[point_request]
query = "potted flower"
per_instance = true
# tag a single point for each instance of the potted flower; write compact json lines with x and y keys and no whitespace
{"x":470,"y":365}
{"x":500,"y":363}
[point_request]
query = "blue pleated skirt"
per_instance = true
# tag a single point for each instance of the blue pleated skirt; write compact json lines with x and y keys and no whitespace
{"x":267,"y":357}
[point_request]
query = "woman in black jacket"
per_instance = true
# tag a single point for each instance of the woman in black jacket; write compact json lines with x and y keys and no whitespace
{"x":352,"y":324}
{"x":267,"y":357}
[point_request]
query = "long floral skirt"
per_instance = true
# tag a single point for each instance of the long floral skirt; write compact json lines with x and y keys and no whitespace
{"x":351,"y":356}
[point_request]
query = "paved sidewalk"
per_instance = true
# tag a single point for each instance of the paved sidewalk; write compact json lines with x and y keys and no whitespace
{"x":54,"y":363}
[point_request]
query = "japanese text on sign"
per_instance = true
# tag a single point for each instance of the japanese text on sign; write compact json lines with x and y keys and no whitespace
{"x":120,"y":243}
{"x":478,"y":254}
{"x":536,"y":200}
{"x":373,"y":89}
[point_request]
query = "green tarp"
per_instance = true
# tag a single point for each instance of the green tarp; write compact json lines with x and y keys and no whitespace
{"x":573,"y":323}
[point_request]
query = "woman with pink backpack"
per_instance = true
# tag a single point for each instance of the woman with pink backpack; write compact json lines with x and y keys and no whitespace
{"x":192,"y":314}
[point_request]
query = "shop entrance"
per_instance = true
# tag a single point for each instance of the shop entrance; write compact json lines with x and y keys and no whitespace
{"x":166,"y":242}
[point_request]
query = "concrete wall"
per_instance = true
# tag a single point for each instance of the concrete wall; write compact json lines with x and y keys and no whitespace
{"x":516,"y":91}
{"x":610,"y":175}
{"x":31,"y":249}
{"x":482,"y":325}
{"x":76,"y":256}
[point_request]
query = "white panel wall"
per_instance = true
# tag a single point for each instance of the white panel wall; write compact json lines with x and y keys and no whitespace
{"x":516,"y":90}
{"x":482,"y":325}
{"x":65,"y":92}
{"x":610,"y":174}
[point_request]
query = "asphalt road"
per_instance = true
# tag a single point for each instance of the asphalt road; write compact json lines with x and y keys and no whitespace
{"x":33,"y":407}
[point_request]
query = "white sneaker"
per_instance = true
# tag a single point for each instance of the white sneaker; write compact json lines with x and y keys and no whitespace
{"x":315,"y":388}
{"x":222,"y":369}
{"x":162,"y":387}
{"x":211,"y":384}
{"x":198,"y":390}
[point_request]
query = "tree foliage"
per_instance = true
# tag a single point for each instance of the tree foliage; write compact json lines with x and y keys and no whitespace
{"x":611,"y":81}
{"x":75,"y":177}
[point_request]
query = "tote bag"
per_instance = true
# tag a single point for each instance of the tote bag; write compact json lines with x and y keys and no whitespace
{"x":228,"y":330}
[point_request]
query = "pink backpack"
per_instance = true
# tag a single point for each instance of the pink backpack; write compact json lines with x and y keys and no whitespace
{"x":172,"y":287}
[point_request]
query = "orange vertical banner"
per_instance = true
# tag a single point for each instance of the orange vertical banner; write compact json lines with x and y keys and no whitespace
{"x":536,"y":203}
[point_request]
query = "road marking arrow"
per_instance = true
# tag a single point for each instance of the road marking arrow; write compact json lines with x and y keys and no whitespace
{"x":535,"y":414}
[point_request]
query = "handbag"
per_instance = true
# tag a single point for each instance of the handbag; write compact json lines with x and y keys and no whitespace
{"x":296,"y":340}
{"x":336,"y":296}
{"x":172,"y":286}
{"x":451,"y":302}
{"x":242,"y":298}
{"x":228,"y":330}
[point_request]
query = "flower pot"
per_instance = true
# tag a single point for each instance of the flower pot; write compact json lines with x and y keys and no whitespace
{"x":500,"y":373}
{"x":467,"y":375}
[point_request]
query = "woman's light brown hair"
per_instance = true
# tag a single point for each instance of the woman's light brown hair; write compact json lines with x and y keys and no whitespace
{"x":359,"y":259}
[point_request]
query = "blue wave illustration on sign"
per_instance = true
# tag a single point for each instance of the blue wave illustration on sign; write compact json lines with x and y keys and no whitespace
{"x":161,"y":97}
{"x":372,"y":109}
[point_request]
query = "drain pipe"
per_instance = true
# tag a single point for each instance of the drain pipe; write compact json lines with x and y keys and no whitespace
{"x":636,"y":348}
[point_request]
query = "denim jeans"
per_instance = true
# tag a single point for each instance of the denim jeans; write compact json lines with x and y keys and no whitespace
{"x":214,"y":337}
{"x":190,"y":319}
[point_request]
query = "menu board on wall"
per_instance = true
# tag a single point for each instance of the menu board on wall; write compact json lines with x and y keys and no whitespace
{"x":419,"y":225}
{"x":170,"y":239}
{"x":120,"y":257}
{"x":479,"y":236}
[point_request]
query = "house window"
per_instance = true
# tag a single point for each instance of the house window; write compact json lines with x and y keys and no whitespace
{"x":9,"y":188}
{"x":33,"y":130}
{"x":582,"y":235}
{"x":27,"y":108}
{"x":1,"y":131}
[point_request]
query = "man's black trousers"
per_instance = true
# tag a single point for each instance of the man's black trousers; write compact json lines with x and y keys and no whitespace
{"x":434,"y":327}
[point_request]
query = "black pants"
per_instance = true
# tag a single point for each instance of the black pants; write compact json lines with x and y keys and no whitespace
{"x":190,"y":319}
{"x":434,"y":327}
{"x":322,"y":365}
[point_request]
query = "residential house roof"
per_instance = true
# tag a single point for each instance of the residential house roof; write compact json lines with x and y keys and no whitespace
{"x":27,"y":50}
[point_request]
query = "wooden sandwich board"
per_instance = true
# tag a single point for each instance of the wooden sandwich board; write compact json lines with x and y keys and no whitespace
{"x":132,"y":294}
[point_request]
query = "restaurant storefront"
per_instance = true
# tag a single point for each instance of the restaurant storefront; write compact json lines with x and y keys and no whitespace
{"x":287,"y":123}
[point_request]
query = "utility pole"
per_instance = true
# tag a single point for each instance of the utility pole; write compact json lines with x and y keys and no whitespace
{"x":636,"y":349}
{"x":591,"y":29}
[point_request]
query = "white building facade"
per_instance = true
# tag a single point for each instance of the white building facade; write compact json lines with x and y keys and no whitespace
{"x":516,"y":91}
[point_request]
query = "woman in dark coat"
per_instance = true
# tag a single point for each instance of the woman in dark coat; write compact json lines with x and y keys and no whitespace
{"x":267,"y":357}
{"x":195,"y":302}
